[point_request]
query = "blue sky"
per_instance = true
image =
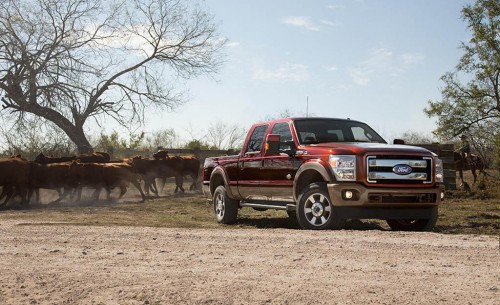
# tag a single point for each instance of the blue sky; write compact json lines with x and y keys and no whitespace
{"x":373,"y":61}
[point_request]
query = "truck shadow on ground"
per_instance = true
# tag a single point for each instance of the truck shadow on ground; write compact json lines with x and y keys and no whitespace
{"x":287,"y":223}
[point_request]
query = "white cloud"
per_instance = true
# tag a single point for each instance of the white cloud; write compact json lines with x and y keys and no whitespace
{"x":334,"y":7}
{"x":380,"y":54}
{"x":379,"y":61}
{"x":360,"y":77}
{"x":300,"y":21}
{"x":382,"y":62}
{"x":328,"y":22}
{"x":284,"y":73}
{"x":233,"y":44}
{"x":412,"y":58}
{"x":330,"y":68}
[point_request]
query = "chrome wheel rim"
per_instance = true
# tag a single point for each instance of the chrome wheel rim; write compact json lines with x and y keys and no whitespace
{"x":317,"y":209}
{"x":219,"y":206}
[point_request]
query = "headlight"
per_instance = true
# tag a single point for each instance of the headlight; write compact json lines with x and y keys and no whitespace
{"x":343,"y":166}
{"x":439,"y":170}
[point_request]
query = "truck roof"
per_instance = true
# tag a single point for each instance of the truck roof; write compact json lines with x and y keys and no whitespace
{"x":304,"y":118}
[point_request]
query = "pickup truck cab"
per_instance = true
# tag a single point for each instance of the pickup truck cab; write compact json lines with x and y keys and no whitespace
{"x":323,"y":171}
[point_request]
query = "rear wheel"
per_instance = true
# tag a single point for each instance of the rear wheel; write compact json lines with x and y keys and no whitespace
{"x":414,"y":224}
{"x":315,"y":210}
{"x":225,"y":208}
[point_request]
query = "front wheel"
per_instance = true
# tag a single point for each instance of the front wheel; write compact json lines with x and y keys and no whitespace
{"x":315,"y":210}
{"x":414,"y":224}
{"x":225,"y":208}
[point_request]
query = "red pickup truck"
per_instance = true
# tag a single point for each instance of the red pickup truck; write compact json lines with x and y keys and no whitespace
{"x":323,"y":171}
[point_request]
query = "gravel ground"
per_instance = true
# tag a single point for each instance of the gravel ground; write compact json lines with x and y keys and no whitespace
{"x":63,"y":264}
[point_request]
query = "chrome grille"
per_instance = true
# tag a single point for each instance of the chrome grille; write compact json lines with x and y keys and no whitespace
{"x":382,"y":169}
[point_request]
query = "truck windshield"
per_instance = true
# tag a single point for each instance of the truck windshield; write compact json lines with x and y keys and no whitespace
{"x":315,"y":131}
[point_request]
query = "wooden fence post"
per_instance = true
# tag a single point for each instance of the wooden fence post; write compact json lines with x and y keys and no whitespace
{"x":445,"y":153}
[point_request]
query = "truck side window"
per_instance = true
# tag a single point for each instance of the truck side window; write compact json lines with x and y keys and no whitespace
{"x":283,"y":129}
{"x":256,"y":139}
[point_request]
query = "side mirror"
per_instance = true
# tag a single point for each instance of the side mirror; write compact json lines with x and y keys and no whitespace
{"x":399,"y":141}
{"x":273,"y":144}
{"x":292,"y":150}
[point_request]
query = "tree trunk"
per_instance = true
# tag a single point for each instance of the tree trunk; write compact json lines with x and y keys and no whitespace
{"x":74,"y":131}
{"x":78,"y":137}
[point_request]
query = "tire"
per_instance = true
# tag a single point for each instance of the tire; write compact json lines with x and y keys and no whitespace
{"x":225,"y":208}
{"x":421,"y":225}
{"x":315,"y":210}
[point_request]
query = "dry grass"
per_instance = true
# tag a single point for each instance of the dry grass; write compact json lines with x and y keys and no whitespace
{"x":476,"y":212}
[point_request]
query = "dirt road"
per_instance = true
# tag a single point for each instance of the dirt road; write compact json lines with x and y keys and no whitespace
{"x":62,"y":264}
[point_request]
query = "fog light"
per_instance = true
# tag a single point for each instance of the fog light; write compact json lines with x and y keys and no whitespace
{"x":442,"y":195}
{"x":348,"y":195}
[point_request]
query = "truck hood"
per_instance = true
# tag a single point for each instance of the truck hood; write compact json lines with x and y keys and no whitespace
{"x":363,"y":148}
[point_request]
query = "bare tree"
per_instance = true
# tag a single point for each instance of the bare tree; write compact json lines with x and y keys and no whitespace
{"x":225,"y":136}
{"x":166,"y":138}
{"x":413,"y":137}
{"x":68,"y":61}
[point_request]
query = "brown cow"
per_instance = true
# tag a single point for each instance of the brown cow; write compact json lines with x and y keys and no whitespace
{"x":182,"y":166}
{"x":42,"y":159}
{"x":161,"y":154}
{"x":104,"y":175}
{"x":14,"y":177}
{"x":50,"y":176}
{"x":97,"y":157}
{"x":150,"y":169}
{"x":8,"y":190}
{"x":191,"y":168}
{"x":188,"y":165}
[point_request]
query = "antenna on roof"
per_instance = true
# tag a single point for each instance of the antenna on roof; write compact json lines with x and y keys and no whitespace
{"x":307,"y":106}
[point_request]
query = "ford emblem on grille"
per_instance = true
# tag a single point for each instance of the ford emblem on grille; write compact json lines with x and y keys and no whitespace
{"x":402,"y":169}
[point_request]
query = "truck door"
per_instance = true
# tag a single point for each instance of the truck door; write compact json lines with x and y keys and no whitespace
{"x":278,"y":171}
{"x":250,"y":164}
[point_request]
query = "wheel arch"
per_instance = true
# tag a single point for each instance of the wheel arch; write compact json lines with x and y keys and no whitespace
{"x":217,"y":178}
{"x":310,"y":172}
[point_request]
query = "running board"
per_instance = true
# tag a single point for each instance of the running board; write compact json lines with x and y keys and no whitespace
{"x":275,"y":205}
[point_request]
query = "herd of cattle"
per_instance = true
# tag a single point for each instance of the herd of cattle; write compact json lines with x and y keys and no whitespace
{"x":69,"y":175}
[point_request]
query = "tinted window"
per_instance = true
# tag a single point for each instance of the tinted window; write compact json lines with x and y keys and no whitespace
{"x":283,"y":129}
{"x":257,"y":138}
{"x":314,"y":131}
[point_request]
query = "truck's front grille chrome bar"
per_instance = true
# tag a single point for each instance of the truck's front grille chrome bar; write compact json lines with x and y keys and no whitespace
{"x":392,"y":176}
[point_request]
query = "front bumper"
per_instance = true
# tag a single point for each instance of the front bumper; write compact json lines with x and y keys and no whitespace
{"x":357,"y":195}
{"x":385,"y":203}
